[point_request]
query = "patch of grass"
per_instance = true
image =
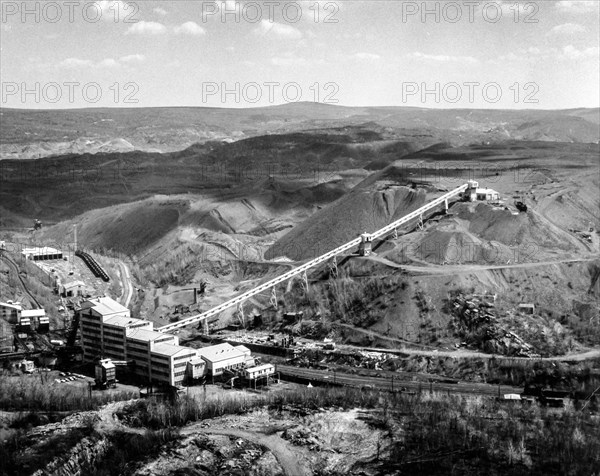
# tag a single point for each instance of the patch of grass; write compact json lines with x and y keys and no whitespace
{"x":37,"y":393}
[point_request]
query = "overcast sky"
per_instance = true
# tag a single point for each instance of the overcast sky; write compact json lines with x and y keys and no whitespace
{"x":375,"y":53}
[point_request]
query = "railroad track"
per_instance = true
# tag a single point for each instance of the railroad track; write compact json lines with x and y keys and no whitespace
{"x":93,"y":265}
{"x":15,"y":267}
{"x":392,"y":384}
{"x":18,"y":355}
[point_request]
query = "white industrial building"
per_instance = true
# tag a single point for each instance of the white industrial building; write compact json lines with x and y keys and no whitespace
{"x":260,"y":371}
{"x":476,"y":193}
{"x":42,"y":253}
{"x":13,"y":313}
{"x":36,"y":314}
{"x":225,"y":357}
{"x":108,"y":331}
{"x":74,"y":288}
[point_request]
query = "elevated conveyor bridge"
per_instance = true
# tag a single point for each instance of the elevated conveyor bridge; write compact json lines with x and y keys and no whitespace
{"x":360,"y":241}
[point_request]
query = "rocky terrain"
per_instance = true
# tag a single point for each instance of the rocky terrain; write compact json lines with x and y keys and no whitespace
{"x":34,"y":134}
{"x":229,"y":200}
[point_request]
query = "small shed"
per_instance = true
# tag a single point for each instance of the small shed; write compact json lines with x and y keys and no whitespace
{"x":27,"y":366}
{"x":260,"y":371}
{"x":526,"y":308}
{"x":24,"y":325}
{"x":366,"y":242}
{"x":106,"y":372}
{"x":195,"y":368}
{"x":74,"y":288}
{"x":44,"y":325}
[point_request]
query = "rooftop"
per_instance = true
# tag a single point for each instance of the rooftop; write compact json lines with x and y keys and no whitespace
{"x":146,"y":335}
{"x":14,"y":305}
{"x":33,"y":313}
{"x":170,"y":349}
{"x":41,"y":250}
{"x":124,"y":321}
{"x":73,"y":284}
{"x":260,"y":367}
{"x":104,"y":306}
{"x":216,"y":353}
{"x":197,"y":361}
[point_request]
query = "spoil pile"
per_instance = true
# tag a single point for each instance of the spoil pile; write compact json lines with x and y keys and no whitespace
{"x":362,"y":210}
{"x":476,"y":322}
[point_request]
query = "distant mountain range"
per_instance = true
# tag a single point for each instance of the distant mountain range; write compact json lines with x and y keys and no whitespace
{"x":30,"y":134}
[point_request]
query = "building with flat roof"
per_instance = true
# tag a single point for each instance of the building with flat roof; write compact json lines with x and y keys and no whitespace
{"x":139,"y":344}
{"x":33,"y":313}
{"x":6,"y":337}
{"x":476,"y":193}
{"x":104,"y":307}
{"x":10,"y":311}
{"x":94,"y":316}
{"x":168,"y":363}
{"x":223,"y":357}
{"x":527,"y":308}
{"x":42,"y":253}
{"x":108,"y":331}
{"x":13,"y":313}
{"x":74,"y":288}
{"x":260,"y":371}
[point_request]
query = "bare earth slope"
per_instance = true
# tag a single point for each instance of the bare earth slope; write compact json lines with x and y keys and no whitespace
{"x":29,"y":134}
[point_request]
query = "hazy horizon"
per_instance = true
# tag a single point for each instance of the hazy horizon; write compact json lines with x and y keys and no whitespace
{"x":436,"y":55}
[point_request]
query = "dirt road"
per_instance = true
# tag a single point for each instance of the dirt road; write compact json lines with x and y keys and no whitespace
{"x":434,"y":270}
{"x":287,"y":458}
{"x":459,"y":353}
{"x":127,"y":286}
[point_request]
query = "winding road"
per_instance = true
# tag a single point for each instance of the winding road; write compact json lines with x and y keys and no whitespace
{"x":434,"y":270}
{"x":126,"y":282}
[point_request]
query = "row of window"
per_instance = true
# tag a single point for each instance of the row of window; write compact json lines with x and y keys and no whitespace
{"x":90,"y":348}
{"x":187,"y":356}
{"x":164,"y":339}
{"x":118,"y":339}
{"x":259,"y":372}
{"x":91,"y":337}
{"x":113,"y":345}
{"x":159,"y":365}
{"x":142,"y":352}
{"x":141,"y":324}
{"x":231,"y":366}
{"x":158,"y":372}
{"x":136,"y":345}
{"x":93,"y":325}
